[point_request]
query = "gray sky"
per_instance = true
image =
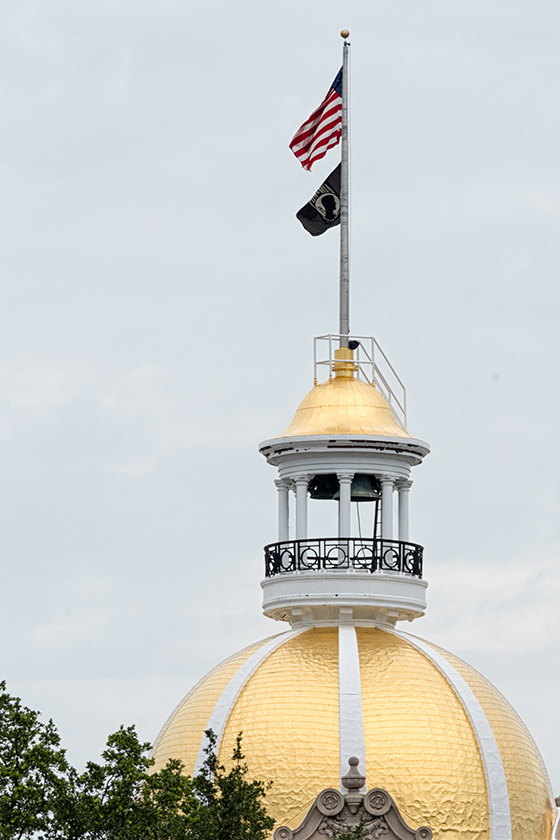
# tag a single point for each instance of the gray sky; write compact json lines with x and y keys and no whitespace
{"x":158,"y":301}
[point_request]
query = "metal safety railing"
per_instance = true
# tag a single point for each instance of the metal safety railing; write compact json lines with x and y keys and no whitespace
{"x":372,"y":364}
{"x":343,"y":553}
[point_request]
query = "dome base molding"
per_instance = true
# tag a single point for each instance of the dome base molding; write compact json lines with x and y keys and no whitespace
{"x":335,"y":597}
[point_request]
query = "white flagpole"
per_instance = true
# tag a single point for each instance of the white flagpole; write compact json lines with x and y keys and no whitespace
{"x":344,"y":204}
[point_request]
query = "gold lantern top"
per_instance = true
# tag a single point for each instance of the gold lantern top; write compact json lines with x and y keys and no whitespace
{"x":345,"y":405}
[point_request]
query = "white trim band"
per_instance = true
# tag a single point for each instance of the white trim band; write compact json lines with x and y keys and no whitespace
{"x":352,"y":741}
{"x":499,"y":814}
{"x":222,"y":710}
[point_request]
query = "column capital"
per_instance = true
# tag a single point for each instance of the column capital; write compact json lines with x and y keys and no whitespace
{"x":387,"y":479}
{"x":283,"y":483}
{"x":404,"y":485}
{"x":301,"y":479}
{"x":345,"y":476}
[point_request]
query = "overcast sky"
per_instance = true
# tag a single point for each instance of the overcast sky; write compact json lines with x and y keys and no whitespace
{"x":159,"y":299}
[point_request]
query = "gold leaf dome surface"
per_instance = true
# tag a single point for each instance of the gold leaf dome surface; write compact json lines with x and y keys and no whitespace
{"x":419,"y":742}
{"x":345,"y":406}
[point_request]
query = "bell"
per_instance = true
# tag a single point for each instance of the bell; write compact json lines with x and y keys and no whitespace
{"x":323,"y":486}
{"x":365,"y":488}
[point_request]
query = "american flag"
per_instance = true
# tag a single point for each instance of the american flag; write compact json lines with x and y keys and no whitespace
{"x":322,"y":130}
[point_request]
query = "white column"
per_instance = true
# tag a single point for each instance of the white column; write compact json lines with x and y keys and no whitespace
{"x":283,"y":488}
{"x":386,"y":507}
{"x":404,"y":489}
{"x":344,"y":503}
{"x":301,"y":506}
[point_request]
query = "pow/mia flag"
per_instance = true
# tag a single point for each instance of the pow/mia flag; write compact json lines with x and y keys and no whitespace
{"x":323,"y":210}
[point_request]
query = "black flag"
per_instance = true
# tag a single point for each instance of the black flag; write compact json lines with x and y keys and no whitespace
{"x":323,"y":210}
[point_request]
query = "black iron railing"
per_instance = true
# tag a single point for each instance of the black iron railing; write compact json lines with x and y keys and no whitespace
{"x":329,"y":553}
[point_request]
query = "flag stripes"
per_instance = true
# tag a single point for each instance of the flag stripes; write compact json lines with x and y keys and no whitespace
{"x":322,"y":130}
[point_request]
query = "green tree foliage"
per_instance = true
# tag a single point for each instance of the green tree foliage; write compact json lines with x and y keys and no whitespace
{"x":33,"y":770}
{"x":121,"y":798}
{"x":230,"y":806}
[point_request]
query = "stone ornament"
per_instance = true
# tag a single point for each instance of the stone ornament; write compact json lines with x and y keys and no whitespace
{"x":334,"y":814}
{"x":377,"y":801}
{"x":330,"y":801}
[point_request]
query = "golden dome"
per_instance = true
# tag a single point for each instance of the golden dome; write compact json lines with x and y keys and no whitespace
{"x":345,"y":405}
{"x":429,"y":723}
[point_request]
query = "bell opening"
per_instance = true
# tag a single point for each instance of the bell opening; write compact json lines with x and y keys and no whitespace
{"x":365,"y":488}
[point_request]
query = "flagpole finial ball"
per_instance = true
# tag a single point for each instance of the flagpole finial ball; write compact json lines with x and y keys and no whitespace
{"x":344,"y":33}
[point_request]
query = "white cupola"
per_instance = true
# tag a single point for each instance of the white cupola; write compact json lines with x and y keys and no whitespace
{"x":348,"y":446}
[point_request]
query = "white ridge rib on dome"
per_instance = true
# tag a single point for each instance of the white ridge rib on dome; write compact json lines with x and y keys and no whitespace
{"x":223,"y":708}
{"x":352,"y":741}
{"x":190,"y":693}
{"x":499,"y":813}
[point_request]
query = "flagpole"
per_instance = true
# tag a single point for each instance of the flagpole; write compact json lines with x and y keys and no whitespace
{"x":344,"y":204}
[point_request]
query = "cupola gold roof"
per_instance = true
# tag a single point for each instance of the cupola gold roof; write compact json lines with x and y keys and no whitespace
{"x":345,"y":405}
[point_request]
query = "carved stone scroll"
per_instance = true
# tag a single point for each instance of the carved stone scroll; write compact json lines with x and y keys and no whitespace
{"x":334,"y":815}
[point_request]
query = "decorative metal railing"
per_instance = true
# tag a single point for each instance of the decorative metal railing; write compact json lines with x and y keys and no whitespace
{"x":332,"y":553}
